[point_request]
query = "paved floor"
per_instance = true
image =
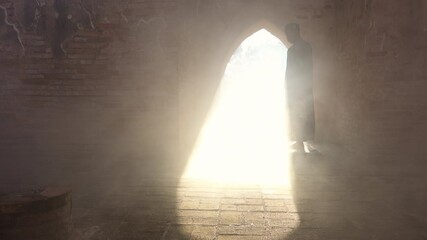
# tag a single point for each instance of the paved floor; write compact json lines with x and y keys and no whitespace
{"x":332,"y":197}
{"x":329,"y":199}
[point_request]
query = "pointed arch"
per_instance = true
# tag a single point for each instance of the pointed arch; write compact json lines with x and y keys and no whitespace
{"x":212,"y":73}
{"x":248,"y":102}
{"x":261,"y":24}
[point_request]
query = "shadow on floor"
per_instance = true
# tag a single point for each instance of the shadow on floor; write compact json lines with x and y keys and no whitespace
{"x":337,"y":198}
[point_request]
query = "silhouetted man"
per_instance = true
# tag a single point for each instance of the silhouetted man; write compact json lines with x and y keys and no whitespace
{"x":299,"y":87}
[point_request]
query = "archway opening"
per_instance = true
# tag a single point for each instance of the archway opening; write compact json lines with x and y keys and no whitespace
{"x":244,"y":138}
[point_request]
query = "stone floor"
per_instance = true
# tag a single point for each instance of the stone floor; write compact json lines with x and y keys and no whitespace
{"x":333,"y":196}
{"x":329,"y":199}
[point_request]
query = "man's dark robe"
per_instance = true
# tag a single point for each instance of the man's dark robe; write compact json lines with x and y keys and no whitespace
{"x":299,"y":87}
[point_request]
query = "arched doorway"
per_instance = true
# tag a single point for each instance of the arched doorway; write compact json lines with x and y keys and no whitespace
{"x":244,"y":140}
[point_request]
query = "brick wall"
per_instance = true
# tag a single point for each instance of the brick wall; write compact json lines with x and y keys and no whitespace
{"x":86,"y":79}
{"x":381,"y":106}
{"x":109,"y":66}
{"x":99,"y":79}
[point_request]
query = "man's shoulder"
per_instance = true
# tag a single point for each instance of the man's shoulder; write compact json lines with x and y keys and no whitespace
{"x":303,"y":45}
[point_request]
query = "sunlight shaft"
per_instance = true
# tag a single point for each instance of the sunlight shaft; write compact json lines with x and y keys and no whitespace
{"x":244,"y":138}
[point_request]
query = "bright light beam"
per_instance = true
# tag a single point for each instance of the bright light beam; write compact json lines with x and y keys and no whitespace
{"x":244,"y":139}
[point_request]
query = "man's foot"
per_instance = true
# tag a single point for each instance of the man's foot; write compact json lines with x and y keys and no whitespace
{"x":310,"y":149}
{"x":313,"y":151}
{"x":298,"y":147}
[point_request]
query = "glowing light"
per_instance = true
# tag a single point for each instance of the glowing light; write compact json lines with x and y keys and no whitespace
{"x":244,"y":139}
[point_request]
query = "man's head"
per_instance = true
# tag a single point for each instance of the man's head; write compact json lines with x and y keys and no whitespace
{"x":292,"y":32}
